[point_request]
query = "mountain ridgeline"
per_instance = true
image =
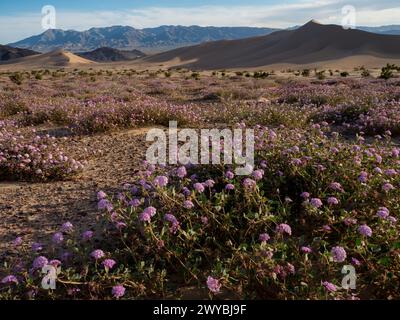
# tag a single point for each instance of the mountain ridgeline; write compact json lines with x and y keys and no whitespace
{"x":106,"y":54}
{"x":127,"y":38}
{"x":9,"y":53}
{"x":310,"y":43}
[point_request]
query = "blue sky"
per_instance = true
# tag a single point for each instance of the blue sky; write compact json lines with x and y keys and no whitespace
{"x":20,"y":18}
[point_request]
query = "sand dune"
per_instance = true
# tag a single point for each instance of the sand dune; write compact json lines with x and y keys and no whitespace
{"x":56,"y":58}
{"x":312,"y":44}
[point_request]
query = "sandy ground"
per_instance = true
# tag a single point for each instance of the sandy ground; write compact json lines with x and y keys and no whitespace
{"x":36,"y":210}
{"x":55,"y":59}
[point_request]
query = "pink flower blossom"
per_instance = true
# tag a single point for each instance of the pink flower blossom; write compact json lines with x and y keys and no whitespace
{"x":213,"y":285}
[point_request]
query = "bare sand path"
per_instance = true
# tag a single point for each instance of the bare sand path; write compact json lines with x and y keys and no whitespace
{"x":36,"y":210}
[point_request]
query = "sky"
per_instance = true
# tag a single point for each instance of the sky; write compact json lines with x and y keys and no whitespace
{"x":23,"y":18}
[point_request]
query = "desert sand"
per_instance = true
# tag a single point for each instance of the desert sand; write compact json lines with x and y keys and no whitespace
{"x":56,"y":58}
{"x":313,"y":45}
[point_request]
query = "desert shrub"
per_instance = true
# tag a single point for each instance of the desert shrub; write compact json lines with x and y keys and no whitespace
{"x":277,"y":233}
{"x":365,"y":73}
{"x":195,"y":75}
{"x":16,"y":78}
{"x":10,"y":106}
{"x":387,"y":71}
{"x":305,"y":73}
{"x":260,"y":75}
{"x":344,"y":74}
{"x":320,"y":74}
{"x":33,"y":157}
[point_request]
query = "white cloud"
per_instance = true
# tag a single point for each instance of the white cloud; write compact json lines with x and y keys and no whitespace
{"x":14,"y":28}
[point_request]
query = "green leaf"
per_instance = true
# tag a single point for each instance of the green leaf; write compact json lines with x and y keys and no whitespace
{"x":385,"y":261}
{"x":396,"y":245}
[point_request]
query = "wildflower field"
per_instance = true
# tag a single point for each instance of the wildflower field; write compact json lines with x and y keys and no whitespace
{"x":324,"y":192}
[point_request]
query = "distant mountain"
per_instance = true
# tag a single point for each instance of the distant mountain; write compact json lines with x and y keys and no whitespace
{"x":311,"y":43}
{"x":9,"y":53}
{"x":106,"y":54}
{"x":128,"y":38}
{"x":391,"y":29}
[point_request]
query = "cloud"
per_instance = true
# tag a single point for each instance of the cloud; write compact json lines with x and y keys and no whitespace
{"x":14,"y":28}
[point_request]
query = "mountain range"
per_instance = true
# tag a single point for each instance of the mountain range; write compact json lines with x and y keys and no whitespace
{"x":10,"y":53}
{"x":150,"y":40}
{"x":309,"y":44}
{"x":128,"y":38}
{"x":391,"y":29}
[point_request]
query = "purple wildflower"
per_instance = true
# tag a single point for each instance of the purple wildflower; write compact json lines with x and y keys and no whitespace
{"x":284,"y":228}
{"x":37,"y":247}
{"x":305,"y":195}
{"x":333,"y":201}
{"x":249,"y":183}
{"x":338,"y":254}
{"x":134,"y":203}
{"x":209,"y":183}
{"x":316,"y":203}
{"x":213,"y":285}
{"x":383,"y":213}
{"x":101,"y":195}
{"x":97,"y":254}
{"x":188,"y":204}
{"x":258,"y":174}
{"x":58,"y":238}
{"x":161,"y":181}
{"x":264,"y":237}
{"x":151,"y":211}
{"x":67,"y":227}
{"x":172,"y":219}
{"x":120,"y":225}
{"x":290,"y":268}
{"x":336,"y":186}
{"x":393,"y":220}
{"x":387,"y":187}
{"x":145,"y":217}
{"x":199,"y":187}
{"x":390,"y":172}
{"x":181,"y":172}
{"x":40,"y":262}
{"x":185,"y":191}
{"x":17,"y":242}
{"x":55,"y":263}
{"x":229,"y":187}
{"x":355,"y":261}
{"x":118,"y":291}
{"x":229,"y":175}
{"x":87,"y":235}
{"x":329,"y":286}
{"x":103,"y":204}
{"x":306,"y":249}
{"x":365,"y":230}
{"x":108,"y":264}
{"x":363,"y":177}
{"x":378,"y":170}
{"x":9,"y":279}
